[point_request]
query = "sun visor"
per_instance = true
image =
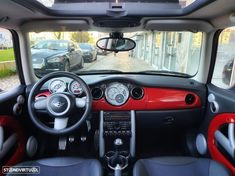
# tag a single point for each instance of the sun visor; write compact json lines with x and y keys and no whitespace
{"x":178,"y":25}
{"x":56,"y":25}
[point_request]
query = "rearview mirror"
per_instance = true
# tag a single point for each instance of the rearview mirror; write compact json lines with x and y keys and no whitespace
{"x":116,"y":44}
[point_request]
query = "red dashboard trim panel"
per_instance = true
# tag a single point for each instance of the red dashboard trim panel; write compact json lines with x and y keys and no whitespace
{"x":215,"y":124}
{"x":154,"y":99}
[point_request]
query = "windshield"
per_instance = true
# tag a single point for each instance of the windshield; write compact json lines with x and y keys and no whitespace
{"x":51,"y":44}
{"x":164,"y":53}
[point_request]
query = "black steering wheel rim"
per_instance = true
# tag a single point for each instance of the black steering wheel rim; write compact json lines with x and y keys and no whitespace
{"x":34,"y":91}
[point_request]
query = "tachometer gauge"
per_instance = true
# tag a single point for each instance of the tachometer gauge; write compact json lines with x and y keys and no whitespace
{"x":75,"y":88}
{"x":57,"y":85}
{"x":116,"y":94}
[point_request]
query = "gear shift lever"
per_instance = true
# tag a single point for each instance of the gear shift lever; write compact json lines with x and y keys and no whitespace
{"x":117,"y":162}
{"x":117,"y":144}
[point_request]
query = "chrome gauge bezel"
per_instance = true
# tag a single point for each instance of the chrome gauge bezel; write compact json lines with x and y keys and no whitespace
{"x":113,"y":101}
{"x":63,"y":83}
{"x":70,"y":90}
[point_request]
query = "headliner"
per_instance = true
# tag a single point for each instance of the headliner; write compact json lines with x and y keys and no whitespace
{"x":13,"y":15}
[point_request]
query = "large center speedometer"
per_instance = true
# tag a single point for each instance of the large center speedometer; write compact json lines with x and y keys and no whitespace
{"x":116,"y":94}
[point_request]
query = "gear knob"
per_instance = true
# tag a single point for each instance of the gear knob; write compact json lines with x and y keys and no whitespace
{"x":118,"y":142}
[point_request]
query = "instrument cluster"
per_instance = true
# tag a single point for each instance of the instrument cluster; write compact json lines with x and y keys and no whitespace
{"x":59,"y":85}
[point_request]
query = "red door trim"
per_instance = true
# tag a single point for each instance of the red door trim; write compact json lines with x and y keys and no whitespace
{"x":13,"y":125}
{"x":215,"y":124}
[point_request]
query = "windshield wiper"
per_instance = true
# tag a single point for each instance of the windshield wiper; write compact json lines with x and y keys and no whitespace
{"x":97,"y":71}
{"x":165,"y":72}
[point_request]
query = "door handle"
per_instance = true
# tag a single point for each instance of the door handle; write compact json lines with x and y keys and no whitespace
{"x":1,"y":137}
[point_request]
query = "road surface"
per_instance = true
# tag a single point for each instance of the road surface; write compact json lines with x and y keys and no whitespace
{"x":119,"y":62}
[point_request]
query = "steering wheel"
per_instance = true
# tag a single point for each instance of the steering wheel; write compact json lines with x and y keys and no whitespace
{"x":59,"y":106}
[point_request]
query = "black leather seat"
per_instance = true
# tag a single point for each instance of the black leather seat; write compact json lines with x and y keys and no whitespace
{"x":66,"y":166}
{"x":178,"y":166}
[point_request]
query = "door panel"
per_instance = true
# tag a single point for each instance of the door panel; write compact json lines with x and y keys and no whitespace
{"x":219,"y":126}
{"x":12,"y":134}
{"x":13,"y":143}
{"x":8,"y":100}
{"x":224,"y":98}
{"x":226,"y":102}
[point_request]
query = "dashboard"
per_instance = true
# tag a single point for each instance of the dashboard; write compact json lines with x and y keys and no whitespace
{"x":156,"y":100}
{"x":122,"y":94}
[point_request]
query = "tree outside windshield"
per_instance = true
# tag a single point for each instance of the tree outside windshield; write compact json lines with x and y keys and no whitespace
{"x":155,"y":52}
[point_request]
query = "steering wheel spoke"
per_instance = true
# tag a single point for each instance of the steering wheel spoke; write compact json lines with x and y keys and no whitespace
{"x":60,"y":123}
{"x":40,"y":104}
{"x":81,"y":102}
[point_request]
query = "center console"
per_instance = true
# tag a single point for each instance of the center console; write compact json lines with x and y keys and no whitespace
{"x":117,"y":138}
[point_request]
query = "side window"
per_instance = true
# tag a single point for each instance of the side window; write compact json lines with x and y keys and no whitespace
{"x":8,"y":74}
{"x":224,"y":71}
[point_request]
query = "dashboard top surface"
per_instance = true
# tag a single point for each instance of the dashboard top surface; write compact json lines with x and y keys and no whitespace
{"x":143,"y":80}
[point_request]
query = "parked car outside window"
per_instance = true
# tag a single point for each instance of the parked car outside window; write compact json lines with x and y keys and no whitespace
{"x":89,"y":53}
{"x":55,"y":55}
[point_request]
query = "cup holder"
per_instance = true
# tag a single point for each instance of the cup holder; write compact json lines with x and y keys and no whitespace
{"x":125,"y":153}
{"x":120,"y":160}
{"x":109,"y":154}
{"x":114,"y":159}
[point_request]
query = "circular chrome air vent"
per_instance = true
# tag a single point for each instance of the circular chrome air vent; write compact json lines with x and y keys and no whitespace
{"x":189,"y":99}
{"x":97,"y":93}
{"x":137,"y":93}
